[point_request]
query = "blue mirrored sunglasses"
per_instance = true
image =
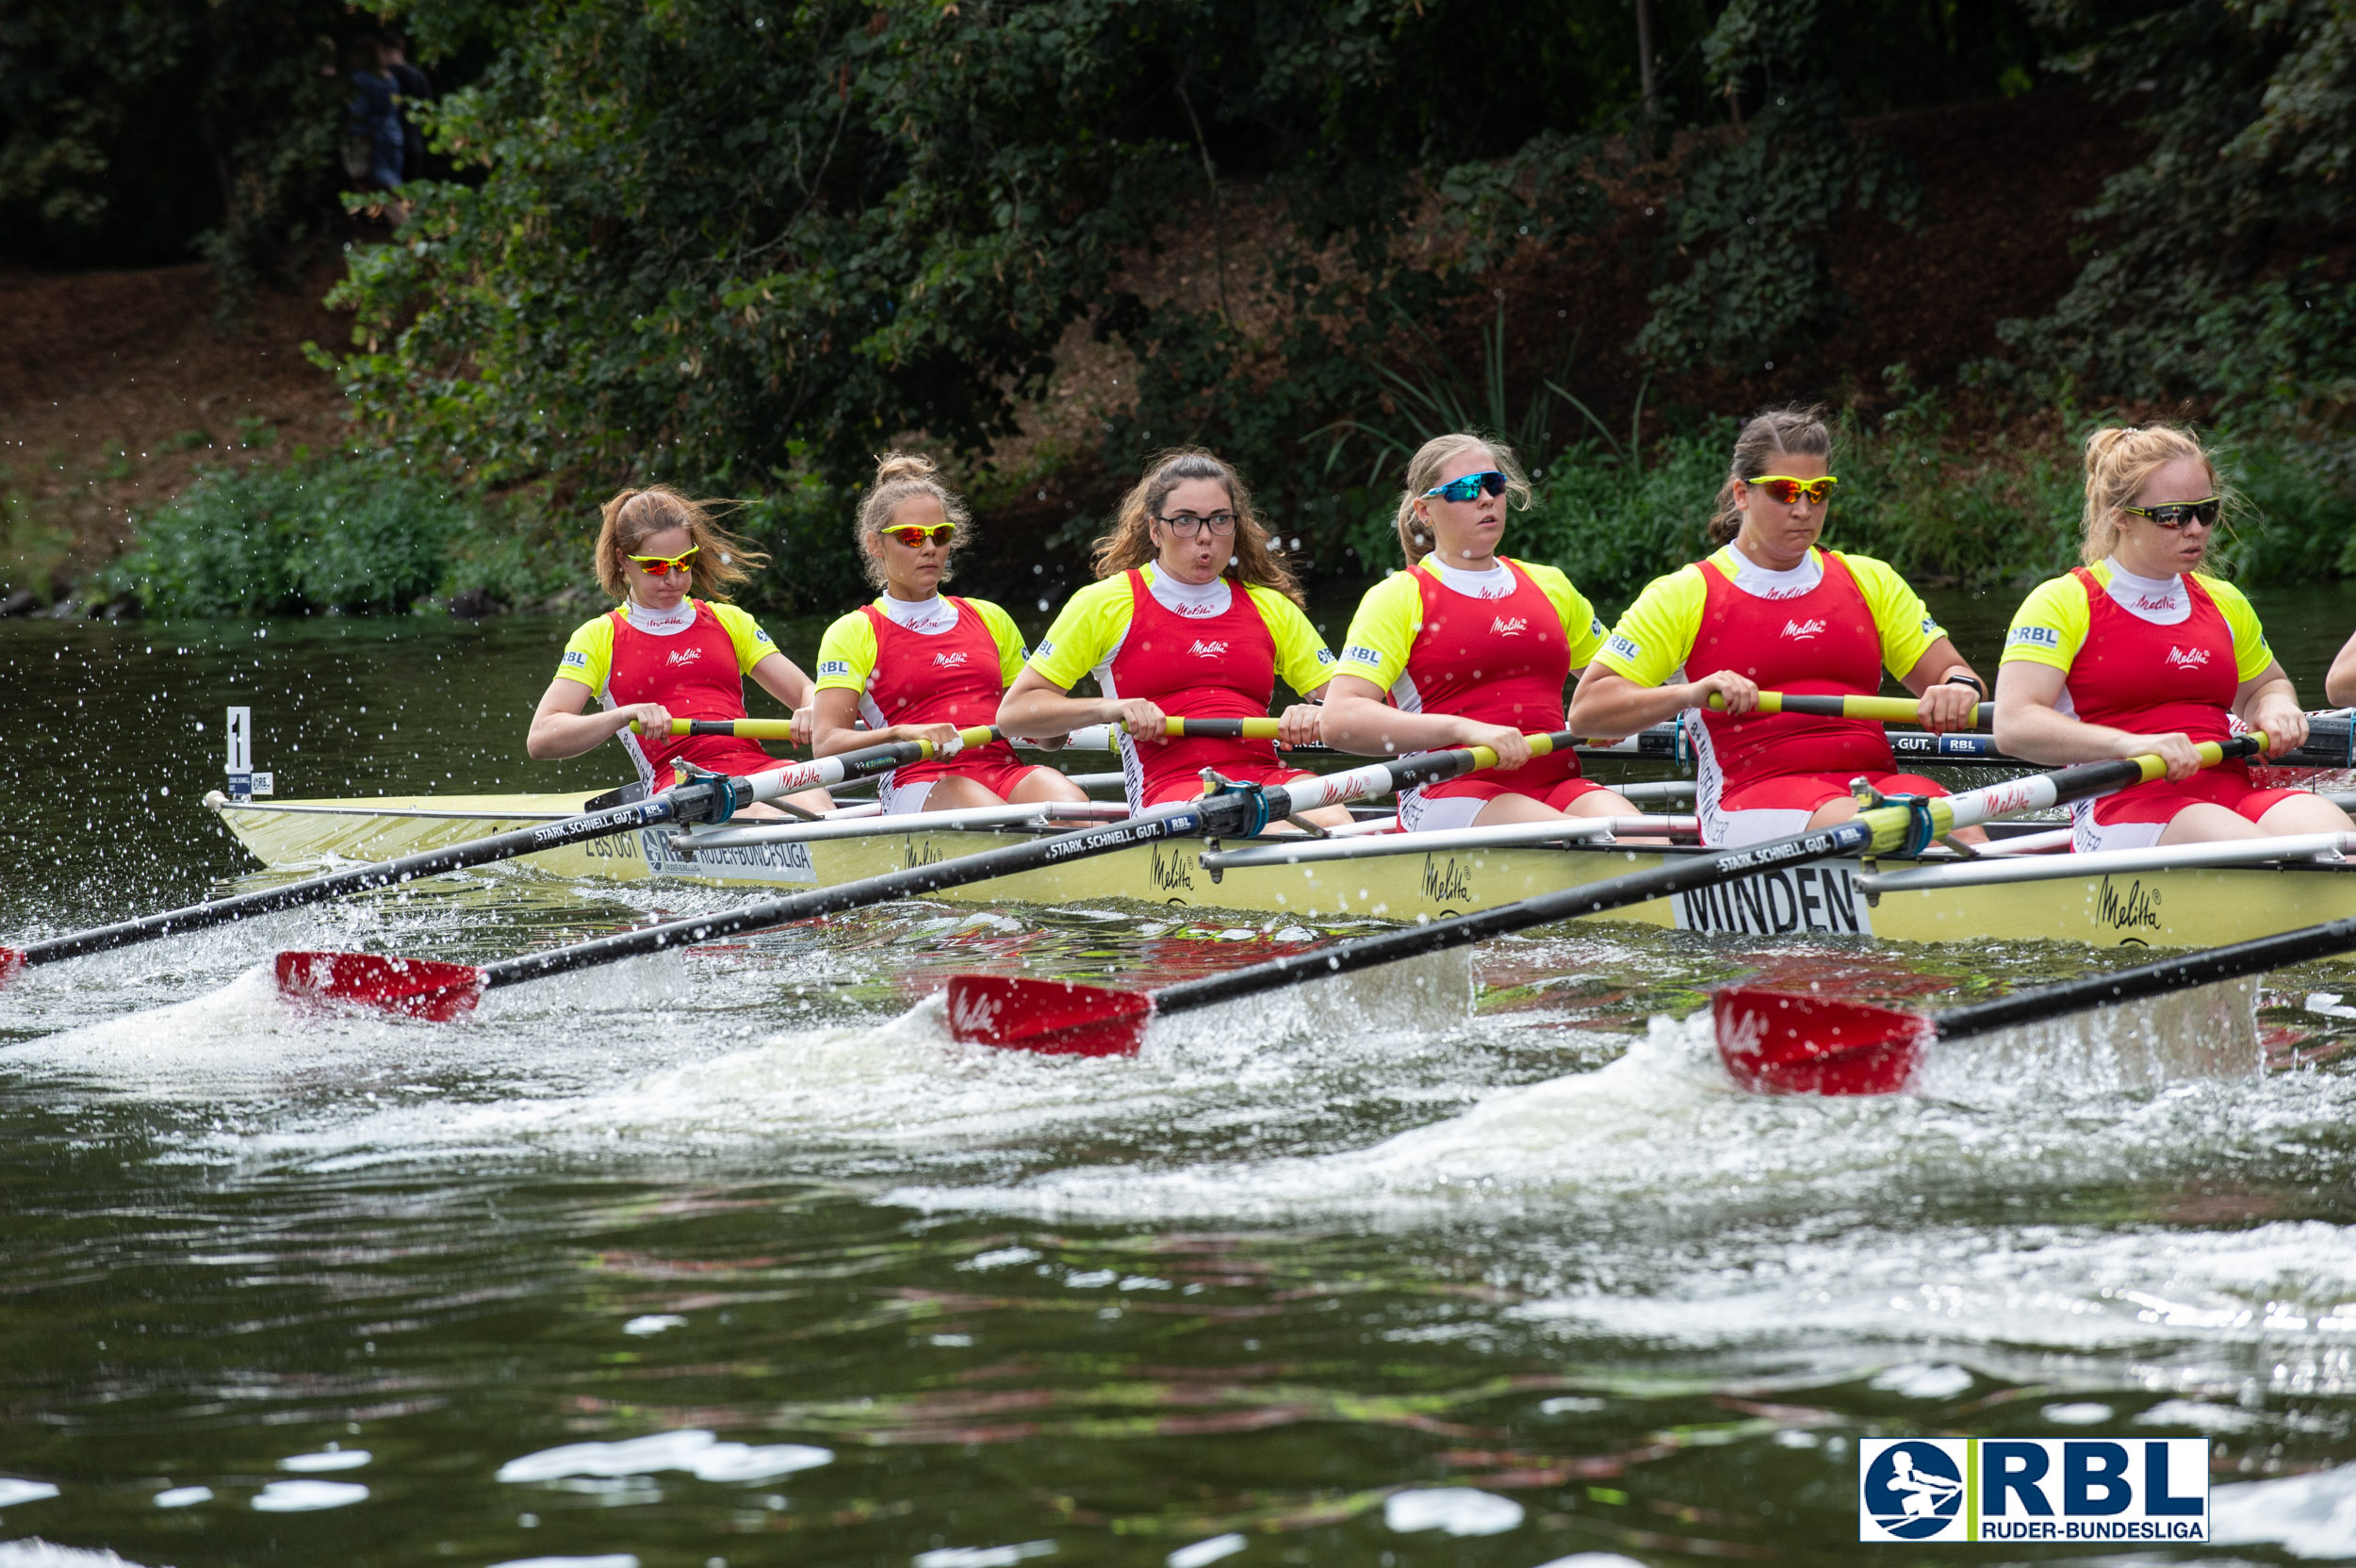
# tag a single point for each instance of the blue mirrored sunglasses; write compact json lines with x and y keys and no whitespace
{"x":1470,"y":485}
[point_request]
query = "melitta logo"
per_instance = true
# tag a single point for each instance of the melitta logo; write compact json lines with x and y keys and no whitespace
{"x":1514,"y":628}
{"x":2156,"y":602}
{"x":1803,"y":628}
{"x":2086,"y":1488}
{"x":1208,"y":650}
{"x":683,"y":656}
{"x":949,"y":661}
{"x":2187,"y":658}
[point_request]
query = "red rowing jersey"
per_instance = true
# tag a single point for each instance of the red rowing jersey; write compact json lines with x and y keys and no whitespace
{"x":1501,"y":660}
{"x":952,"y":677}
{"x":1824,"y":642}
{"x":1220,"y":666}
{"x":696,"y":675}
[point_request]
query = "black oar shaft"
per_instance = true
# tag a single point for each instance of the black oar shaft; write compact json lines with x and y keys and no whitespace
{"x":2208,"y":967}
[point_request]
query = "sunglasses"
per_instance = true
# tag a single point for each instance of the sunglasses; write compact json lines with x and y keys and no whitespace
{"x":916,"y":538}
{"x":1184,"y":524}
{"x":1783,"y":489}
{"x":2177,"y":513}
{"x":664,"y":566}
{"x":1470,"y":485}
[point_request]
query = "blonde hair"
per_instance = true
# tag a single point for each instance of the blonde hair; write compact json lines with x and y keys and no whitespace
{"x":900,"y":478}
{"x":1433,"y":458}
{"x":1786,"y":431}
{"x":2120,"y":459}
{"x":1131,"y":540}
{"x":634,"y":516}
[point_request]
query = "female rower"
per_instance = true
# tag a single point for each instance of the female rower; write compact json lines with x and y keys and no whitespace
{"x":2139,"y":652}
{"x":1771,"y":609}
{"x":920,"y":665}
{"x":1192,"y":616}
{"x":1466,"y":648}
{"x":662,"y":653}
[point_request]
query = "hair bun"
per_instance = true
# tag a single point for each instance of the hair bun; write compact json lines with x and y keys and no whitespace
{"x":893,"y":466}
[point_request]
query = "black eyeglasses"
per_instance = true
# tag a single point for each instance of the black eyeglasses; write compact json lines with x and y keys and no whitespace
{"x":1186,"y":524}
{"x":2177,"y":513}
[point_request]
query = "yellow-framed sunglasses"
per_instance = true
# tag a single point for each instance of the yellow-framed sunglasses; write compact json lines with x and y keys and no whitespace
{"x":1783,"y":489}
{"x":664,"y":566}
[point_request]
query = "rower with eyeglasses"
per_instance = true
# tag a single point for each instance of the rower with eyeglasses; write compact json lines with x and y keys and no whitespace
{"x":1193,"y":616}
{"x":664,"y":654}
{"x":1468,"y":648}
{"x":1773,"y":608}
{"x":919,"y":664}
{"x":2141,"y":651}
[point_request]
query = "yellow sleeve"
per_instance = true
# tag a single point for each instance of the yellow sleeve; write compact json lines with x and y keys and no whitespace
{"x":2051,"y":625}
{"x":752,"y":643}
{"x":589,"y":655}
{"x":1382,"y":631}
{"x":1656,"y":632}
{"x":847,"y":654}
{"x":1087,"y":628}
{"x":1907,"y":627}
{"x":1579,"y":625}
{"x":2251,"y":654}
{"x":1303,"y":659}
{"x":1008,"y":636}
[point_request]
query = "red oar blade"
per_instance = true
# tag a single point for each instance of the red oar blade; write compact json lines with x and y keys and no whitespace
{"x":1781,"y":1042}
{"x":417,"y":988}
{"x":11,"y":962}
{"x":1055,"y":1017}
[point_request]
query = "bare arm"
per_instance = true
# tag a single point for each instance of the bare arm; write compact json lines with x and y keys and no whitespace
{"x":1609,"y":705}
{"x":2269,"y":702}
{"x":2339,"y":687}
{"x":835,"y":714}
{"x":560,"y":729}
{"x":2030,"y":726}
{"x":783,"y":679}
{"x":1944,"y":707}
{"x":1035,"y":705}
{"x":1357,"y":717}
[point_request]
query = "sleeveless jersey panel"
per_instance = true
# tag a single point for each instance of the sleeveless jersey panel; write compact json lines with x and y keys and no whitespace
{"x":950,"y":677}
{"x":693,"y":672}
{"x":1496,"y":661}
{"x":1219,"y":666}
{"x":1821,"y":642}
{"x":2151,"y":679}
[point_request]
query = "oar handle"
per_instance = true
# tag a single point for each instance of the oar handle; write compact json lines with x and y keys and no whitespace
{"x":2255,"y":956}
{"x":1219,"y":730}
{"x":743,"y":729}
{"x":1879,"y":709}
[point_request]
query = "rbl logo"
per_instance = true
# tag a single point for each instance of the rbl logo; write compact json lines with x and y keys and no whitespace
{"x":1803,"y":629}
{"x":1208,"y":650}
{"x":2035,"y":636}
{"x":2187,"y":658}
{"x":2074,"y":1489}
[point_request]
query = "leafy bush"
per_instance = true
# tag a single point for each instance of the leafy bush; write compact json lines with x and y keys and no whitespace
{"x":343,"y":534}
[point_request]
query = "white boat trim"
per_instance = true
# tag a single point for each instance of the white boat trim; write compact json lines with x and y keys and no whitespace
{"x":2323,"y":847}
{"x":1030,"y":814}
{"x":1513,"y":835}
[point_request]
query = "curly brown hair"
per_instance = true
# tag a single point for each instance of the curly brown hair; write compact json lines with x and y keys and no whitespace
{"x":634,"y":516}
{"x":1131,"y":543}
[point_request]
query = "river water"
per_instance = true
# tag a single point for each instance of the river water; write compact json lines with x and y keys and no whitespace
{"x":735,"y":1258}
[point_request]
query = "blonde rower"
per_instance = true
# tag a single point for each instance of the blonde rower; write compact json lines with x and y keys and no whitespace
{"x":918,"y":664}
{"x":1468,"y":647}
{"x":2139,"y":651}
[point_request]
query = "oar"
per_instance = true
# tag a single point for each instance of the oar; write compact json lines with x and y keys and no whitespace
{"x":744,"y":730}
{"x":431,"y":989}
{"x":1066,"y":1017}
{"x":1781,"y":1042}
{"x":1880,"y":709}
{"x":705,"y":799}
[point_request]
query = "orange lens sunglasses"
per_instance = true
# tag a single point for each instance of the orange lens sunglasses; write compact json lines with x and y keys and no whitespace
{"x":914,"y":537}
{"x":1783,"y":489}
{"x":664,"y":566}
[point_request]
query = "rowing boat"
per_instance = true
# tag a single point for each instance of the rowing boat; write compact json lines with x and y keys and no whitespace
{"x":2155,"y":898}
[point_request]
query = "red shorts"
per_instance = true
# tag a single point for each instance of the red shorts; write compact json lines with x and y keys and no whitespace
{"x":723,"y":754}
{"x":2134,"y":818}
{"x":1779,"y":807}
{"x":904,"y":789}
{"x":1242,"y":773}
{"x":1455,"y":802}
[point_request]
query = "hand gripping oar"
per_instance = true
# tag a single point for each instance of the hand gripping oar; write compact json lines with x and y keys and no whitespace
{"x":430,"y":988}
{"x":1881,"y":709}
{"x":708,"y":798}
{"x":1063,"y":1017}
{"x":1781,"y":1042}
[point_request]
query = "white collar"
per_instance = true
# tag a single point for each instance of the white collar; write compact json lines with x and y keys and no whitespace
{"x":1196,"y":602}
{"x":661,"y":623}
{"x":1495,"y":583}
{"x":1763,"y":582}
{"x":2161,"y":600}
{"x":928,"y":617}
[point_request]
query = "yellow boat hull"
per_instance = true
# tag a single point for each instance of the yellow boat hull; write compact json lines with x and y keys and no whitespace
{"x":2169,"y":909}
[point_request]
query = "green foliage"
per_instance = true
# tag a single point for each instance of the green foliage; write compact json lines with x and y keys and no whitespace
{"x":353,"y":534}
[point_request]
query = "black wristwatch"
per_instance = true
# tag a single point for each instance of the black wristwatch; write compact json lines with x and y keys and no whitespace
{"x":1966,"y":678}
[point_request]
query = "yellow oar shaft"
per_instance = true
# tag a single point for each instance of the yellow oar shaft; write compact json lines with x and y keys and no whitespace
{"x":1879,"y":709}
{"x":782,"y":730}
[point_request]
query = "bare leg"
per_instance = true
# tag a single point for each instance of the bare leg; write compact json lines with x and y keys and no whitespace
{"x":2207,"y":824}
{"x":954,"y":793}
{"x":1045,"y":784}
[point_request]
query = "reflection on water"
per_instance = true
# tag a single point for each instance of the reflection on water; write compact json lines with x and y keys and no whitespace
{"x":734,"y":1256}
